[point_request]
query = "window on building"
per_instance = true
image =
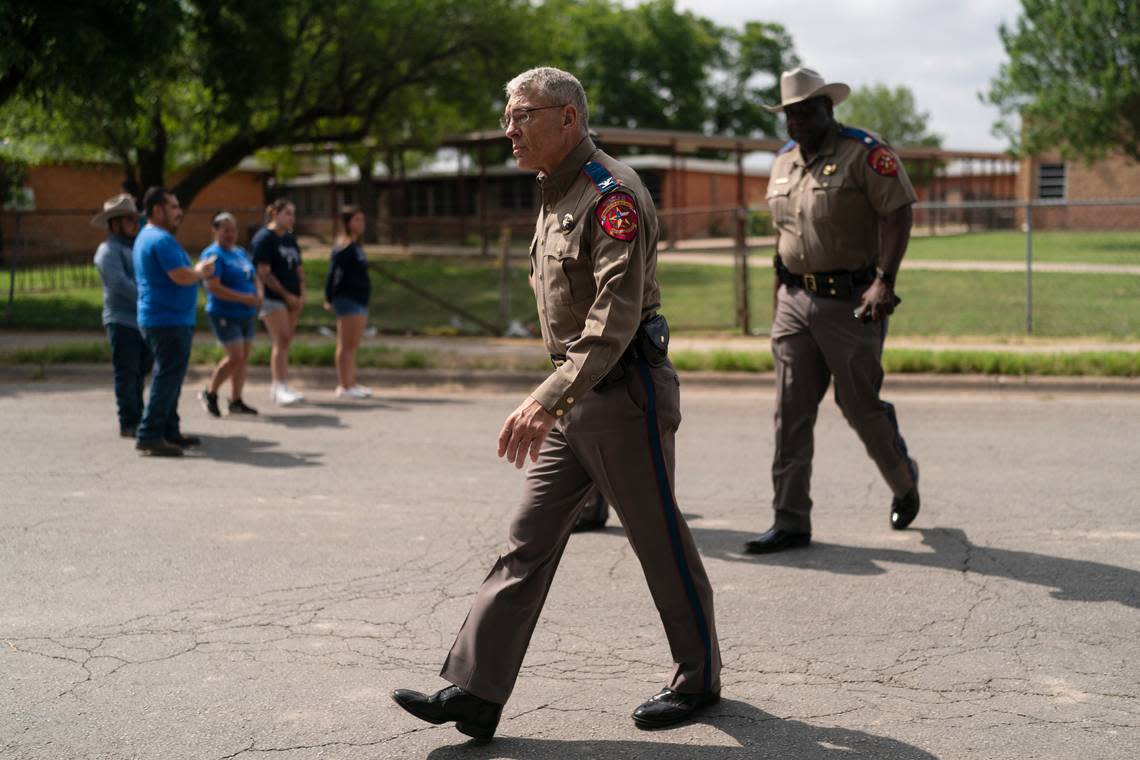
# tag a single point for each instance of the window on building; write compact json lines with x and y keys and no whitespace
{"x":516,"y":193}
{"x":1051,"y":181}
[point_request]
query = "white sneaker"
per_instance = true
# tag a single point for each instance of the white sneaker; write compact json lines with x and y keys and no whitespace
{"x":282,"y":396}
{"x":355,"y":391}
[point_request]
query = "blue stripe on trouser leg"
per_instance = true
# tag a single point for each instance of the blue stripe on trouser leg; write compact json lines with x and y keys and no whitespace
{"x":900,"y":444}
{"x":670,"y":509}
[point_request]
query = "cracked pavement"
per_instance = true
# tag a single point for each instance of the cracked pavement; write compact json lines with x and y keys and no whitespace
{"x":261,"y":597}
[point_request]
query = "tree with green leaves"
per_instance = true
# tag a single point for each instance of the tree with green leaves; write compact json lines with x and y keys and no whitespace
{"x":1072,"y":82}
{"x":653,"y":66}
{"x":88,"y":47}
{"x":892,"y":113}
{"x":241,"y":75}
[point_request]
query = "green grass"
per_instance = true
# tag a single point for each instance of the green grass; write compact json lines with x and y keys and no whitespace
{"x":697,"y":297}
{"x":1056,"y":246}
{"x":901,"y":361}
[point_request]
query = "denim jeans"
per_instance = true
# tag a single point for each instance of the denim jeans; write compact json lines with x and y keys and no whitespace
{"x":132,"y":361}
{"x":171,"y":348}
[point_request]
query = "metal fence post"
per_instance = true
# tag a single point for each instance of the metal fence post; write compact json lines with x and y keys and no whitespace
{"x":1029,"y":268}
{"x":743,"y":307}
{"x":18,"y":243}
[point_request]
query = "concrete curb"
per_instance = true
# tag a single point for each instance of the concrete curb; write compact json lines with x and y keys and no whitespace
{"x":500,"y":380}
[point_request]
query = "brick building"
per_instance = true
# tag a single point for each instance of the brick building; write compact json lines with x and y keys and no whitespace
{"x":697,"y":197}
{"x":1050,"y":177}
{"x":63,"y":198}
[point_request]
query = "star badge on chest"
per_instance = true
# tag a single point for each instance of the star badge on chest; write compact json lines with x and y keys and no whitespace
{"x":567,"y":223}
{"x":830,"y":169}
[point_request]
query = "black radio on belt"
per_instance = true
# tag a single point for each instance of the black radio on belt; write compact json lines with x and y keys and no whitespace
{"x":837,"y":284}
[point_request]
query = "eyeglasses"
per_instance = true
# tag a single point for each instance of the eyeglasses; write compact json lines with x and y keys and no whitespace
{"x":521,"y":116}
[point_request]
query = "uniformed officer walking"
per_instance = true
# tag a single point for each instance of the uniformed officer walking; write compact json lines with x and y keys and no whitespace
{"x":605,"y":417}
{"x":841,"y":202}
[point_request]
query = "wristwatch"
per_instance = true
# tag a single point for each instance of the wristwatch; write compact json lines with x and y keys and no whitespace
{"x":887,"y":278}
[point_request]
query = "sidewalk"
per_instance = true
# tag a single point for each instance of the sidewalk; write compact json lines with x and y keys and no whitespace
{"x":497,"y":355}
{"x":524,"y":349}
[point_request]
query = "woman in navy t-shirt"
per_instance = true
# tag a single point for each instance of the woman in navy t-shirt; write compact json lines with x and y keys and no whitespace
{"x":232,"y":297}
{"x":278,"y":260}
{"x":347,"y":290}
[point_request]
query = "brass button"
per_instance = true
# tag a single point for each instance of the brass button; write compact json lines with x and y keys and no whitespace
{"x":559,"y":413}
{"x":569,"y":399}
{"x":833,"y":291}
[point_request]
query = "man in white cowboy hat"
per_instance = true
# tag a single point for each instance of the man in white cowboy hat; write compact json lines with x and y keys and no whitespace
{"x":131,"y":358}
{"x":841,"y":203}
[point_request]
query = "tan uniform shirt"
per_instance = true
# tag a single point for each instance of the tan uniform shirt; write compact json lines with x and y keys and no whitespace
{"x":827,"y":210}
{"x":593,"y":289}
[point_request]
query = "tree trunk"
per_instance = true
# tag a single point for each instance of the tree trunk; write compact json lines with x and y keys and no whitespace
{"x":368,"y":198}
{"x":152,"y":159}
{"x":226,"y":157}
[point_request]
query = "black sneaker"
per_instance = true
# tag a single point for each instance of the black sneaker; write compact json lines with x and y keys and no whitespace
{"x":185,"y":441}
{"x":237,"y":406}
{"x":210,"y":403}
{"x":158,"y":448}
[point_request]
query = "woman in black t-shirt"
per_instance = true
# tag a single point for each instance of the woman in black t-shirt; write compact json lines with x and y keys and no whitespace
{"x":278,"y":260}
{"x":347,"y":290}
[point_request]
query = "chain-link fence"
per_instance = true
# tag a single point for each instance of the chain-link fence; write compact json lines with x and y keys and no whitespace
{"x":998,"y":269}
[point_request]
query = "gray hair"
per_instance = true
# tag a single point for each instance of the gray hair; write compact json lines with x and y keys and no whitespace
{"x":552,"y":84}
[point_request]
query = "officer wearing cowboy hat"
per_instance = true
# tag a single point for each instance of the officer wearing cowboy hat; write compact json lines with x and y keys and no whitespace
{"x":841,"y":202}
{"x":131,"y":358}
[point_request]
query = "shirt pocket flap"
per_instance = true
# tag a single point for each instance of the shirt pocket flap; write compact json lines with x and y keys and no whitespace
{"x":568,"y":245}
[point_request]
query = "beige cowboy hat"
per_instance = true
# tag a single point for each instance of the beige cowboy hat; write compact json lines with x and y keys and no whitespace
{"x":800,"y":84}
{"x":121,"y":205}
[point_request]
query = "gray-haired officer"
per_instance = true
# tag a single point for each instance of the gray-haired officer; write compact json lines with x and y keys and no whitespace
{"x":605,"y":417}
{"x":841,"y":202}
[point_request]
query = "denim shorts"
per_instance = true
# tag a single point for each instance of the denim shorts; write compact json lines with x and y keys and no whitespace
{"x":230,"y":330}
{"x":346,"y":307}
{"x":270,"y":305}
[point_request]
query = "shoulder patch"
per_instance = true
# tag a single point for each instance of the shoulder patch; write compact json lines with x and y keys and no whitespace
{"x":617,"y":214}
{"x":786,"y":147}
{"x":865,"y":138}
{"x":883,"y":162}
{"x":601,"y":177}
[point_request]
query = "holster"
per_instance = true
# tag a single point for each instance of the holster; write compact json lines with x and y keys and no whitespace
{"x":650,"y":344}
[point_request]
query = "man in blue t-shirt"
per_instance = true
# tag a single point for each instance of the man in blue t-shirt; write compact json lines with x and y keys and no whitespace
{"x":168,"y":297}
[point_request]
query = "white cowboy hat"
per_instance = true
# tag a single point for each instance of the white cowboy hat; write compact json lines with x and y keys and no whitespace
{"x":800,"y":84}
{"x":120,"y":205}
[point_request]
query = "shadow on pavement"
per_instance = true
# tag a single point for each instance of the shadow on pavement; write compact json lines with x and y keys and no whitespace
{"x":1069,"y":579}
{"x":245,"y":450}
{"x":758,"y":736}
{"x":303,"y":420}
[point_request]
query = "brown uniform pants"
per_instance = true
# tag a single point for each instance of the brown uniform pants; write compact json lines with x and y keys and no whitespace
{"x":814,"y":340}
{"x":622,"y":441}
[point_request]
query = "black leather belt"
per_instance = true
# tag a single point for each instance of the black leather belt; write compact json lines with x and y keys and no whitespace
{"x":838,"y":284}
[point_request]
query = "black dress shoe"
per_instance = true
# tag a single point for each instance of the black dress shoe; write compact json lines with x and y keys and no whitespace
{"x":776,"y":540}
{"x":669,"y":707}
{"x":905,"y":508}
{"x":593,"y":516}
{"x":473,"y":715}
{"x":158,"y":448}
{"x":185,"y":441}
{"x":130,"y":431}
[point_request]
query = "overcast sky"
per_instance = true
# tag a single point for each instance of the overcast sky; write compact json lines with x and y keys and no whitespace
{"x":946,"y":52}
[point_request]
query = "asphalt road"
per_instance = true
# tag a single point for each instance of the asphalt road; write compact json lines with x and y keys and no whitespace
{"x":262,"y":597}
